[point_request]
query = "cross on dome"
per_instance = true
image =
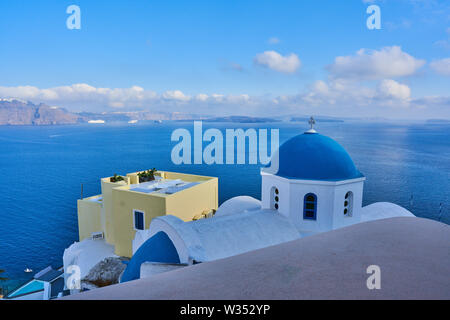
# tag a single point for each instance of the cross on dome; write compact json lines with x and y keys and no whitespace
{"x":311,"y":122}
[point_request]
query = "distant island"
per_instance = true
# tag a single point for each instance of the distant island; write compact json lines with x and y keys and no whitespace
{"x":320,"y":119}
{"x":14,"y":112}
{"x":241,"y":119}
{"x":443,"y":121}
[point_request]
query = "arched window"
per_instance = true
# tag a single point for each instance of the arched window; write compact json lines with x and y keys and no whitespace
{"x":348,"y":204}
{"x":274,"y":198}
{"x":310,"y":207}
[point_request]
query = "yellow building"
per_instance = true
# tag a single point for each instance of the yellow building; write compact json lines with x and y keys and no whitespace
{"x":128,"y":205}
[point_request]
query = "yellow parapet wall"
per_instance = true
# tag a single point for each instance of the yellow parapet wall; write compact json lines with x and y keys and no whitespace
{"x":107,"y":188}
{"x":89,"y":216}
{"x":193,"y":201}
{"x":114,"y":215}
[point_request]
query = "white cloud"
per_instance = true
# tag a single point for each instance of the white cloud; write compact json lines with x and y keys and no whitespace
{"x":236,"y":66}
{"x":389,"y":62}
{"x":176,"y":95}
{"x":201,"y":97}
{"x":275,"y":61}
{"x":218,"y":97}
{"x":445,"y":43}
{"x":80,"y":93}
{"x":338,"y":97}
{"x":85,"y":97}
{"x":320,"y":87}
{"x":238,"y":99}
{"x":441,"y":66}
{"x":273,"y":40}
{"x":391,"y":89}
{"x":338,"y":93}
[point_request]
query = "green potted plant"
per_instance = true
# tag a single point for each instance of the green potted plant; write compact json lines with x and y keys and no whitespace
{"x":146,"y":176}
{"x":116,"y":178}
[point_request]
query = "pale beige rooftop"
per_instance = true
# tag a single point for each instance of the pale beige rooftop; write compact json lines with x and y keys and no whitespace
{"x":413,"y":254}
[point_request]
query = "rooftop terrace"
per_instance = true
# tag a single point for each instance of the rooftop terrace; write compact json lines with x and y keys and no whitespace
{"x":162,"y":186}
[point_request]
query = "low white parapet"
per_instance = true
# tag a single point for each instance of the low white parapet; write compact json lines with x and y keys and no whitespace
{"x":149,"y":269}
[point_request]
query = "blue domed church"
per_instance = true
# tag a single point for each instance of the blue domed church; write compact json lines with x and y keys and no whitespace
{"x":310,"y":186}
{"x":313,"y":182}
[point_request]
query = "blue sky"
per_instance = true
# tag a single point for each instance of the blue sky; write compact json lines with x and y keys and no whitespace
{"x":230,"y":57}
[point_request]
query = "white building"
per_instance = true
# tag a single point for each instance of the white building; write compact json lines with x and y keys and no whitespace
{"x":315,"y":188}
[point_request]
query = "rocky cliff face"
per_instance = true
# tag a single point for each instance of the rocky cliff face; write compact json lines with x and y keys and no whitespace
{"x":15,"y":112}
{"x":104,"y":273}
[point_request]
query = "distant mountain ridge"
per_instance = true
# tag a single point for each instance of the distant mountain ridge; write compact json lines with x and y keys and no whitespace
{"x":241,"y":119}
{"x":317,"y":118}
{"x":17,"y":112}
{"x":439,"y":121}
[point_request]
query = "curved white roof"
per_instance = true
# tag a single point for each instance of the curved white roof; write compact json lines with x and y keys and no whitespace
{"x":330,"y":265}
{"x":225,"y":236}
{"x":86,"y":254}
{"x":383,"y":210}
{"x":240,"y":226}
{"x":238,"y":205}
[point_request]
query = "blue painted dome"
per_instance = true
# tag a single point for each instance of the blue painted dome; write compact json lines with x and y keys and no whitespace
{"x":312,"y":156}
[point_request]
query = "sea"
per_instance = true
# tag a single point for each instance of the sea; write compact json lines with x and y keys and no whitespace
{"x":45,"y":169}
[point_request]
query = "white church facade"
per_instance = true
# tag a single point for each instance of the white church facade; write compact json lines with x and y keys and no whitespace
{"x":316,"y":184}
{"x":315,"y":188}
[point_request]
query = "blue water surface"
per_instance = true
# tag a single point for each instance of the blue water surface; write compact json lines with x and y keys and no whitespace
{"x":43,"y":169}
